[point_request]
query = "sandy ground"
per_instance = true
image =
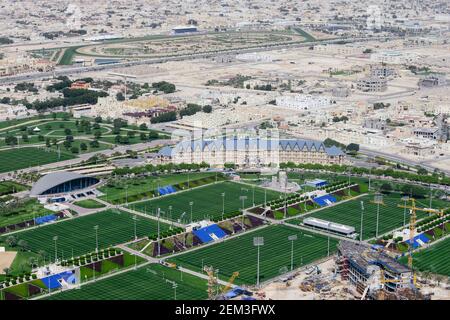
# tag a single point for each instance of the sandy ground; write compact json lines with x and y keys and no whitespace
{"x":6,"y":259}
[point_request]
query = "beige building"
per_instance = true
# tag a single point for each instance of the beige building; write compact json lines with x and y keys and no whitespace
{"x":253,"y":152}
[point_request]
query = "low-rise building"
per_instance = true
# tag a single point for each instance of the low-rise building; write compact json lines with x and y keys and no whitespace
{"x":371,"y":84}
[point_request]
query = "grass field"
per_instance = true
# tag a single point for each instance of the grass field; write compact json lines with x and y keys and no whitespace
{"x":207,"y":201}
{"x":89,"y":204}
{"x":434,"y":259}
{"x":137,"y":186}
{"x":145,"y":283}
{"x":349,"y":213}
{"x":16,"y":159}
{"x":27,"y":210}
{"x":79,"y":235}
{"x":240,"y":255}
{"x":8,"y":187}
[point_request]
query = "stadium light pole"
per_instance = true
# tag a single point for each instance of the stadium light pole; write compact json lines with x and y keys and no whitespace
{"x":96,"y":238}
{"x":328,"y":241}
{"x":292,"y":239}
{"x":135,"y":229}
{"x":362,"y":216}
{"x":170,"y":217}
{"x":370,"y":173}
{"x":191,"y":203}
{"x":55,"y":238}
{"x":258,"y":242}
{"x":431,"y":197}
{"x":243,"y":202}
{"x":253,"y":195}
{"x":378,"y":218}
{"x":405,"y":199}
{"x":159,"y":243}
{"x":126,"y":194}
{"x":223,"y":204}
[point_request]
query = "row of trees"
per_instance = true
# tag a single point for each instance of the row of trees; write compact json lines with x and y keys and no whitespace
{"x":424,"y":178}
{"x":150,"y":168}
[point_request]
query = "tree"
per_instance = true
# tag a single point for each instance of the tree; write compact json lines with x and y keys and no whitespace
{"x":422,"y":171}
{"x":25,"y":137}
{"x":83,"y":146}
{"x":143,"y":127}
{"x":11,"y":241}
{"x":75,"y":150}
{"x":143,"y":136}
{"x":98,"y":119}
{"x":94,"y":144}
{"x":120,"y":96}
{"x":131,"y":134}
{"x":41,"y":137}
{"x":23,"y":245}
{"x":118,"y":139}
{"x":207,"y":108}
{"x":353,"y":147}
{"x":386,"y":188}
{"x":67,"y":132}
{"x":97,"y":135}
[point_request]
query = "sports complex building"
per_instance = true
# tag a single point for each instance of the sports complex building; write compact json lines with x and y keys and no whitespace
{"x":252,"y":152}
{"x":63,"y":183}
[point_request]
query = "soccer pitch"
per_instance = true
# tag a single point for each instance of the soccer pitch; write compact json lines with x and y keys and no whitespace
{"x":114,"y":227}
{"x":240,"y":255}
{"x":16,"y":159}
{"x":151,"y":282}
{"x":390,"y":217}
{"x":206,"y":201}
{"x":434,"y":259}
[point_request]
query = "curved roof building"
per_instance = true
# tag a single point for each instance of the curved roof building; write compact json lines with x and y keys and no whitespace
{"x":62,"y":182}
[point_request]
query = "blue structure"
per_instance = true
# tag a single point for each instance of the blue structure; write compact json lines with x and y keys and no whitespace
{"x":54,"y":281}
{"x":325,"y":200}
{"x":45,"y":219}
{"x":422,"y":237}
{"x":166,"y":190}
{"x":317,"y":183}
{"x":210,"y":233}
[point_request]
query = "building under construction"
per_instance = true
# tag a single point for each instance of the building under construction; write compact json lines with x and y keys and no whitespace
{"x":371,"y":270}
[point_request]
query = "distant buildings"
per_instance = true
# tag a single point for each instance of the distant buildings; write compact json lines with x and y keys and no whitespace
{"x":184,"y":30}
{"x":435,"y":80}
{"x":371,"y":84}
{"x":9,"y":112}
{"x":302,"y":102}
{"x":377,"y":124}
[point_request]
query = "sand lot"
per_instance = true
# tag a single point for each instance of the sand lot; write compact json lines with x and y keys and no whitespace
{"x":6,"y":259}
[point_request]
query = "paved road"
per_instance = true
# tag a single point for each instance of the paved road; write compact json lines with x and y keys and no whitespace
{"x":77,"y":70}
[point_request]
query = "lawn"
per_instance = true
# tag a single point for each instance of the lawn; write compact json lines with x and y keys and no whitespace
{"x":207,"y":201}
{"x":26,"y":210}
{"x":240,"y":255}
{"x":151,"y":282}
{"x":89,"y":204}
{"x":434,"y":259}
{"x":349,"y":213}
{"x":118,"y":193}
{"x":8,"y":187}
{"x":16,"y":159}
{"x":78,"y":234}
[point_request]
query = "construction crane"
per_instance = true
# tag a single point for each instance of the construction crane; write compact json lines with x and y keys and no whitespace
{"x":412,"y":224}
{"x":212,"y":281}
{"x":230,"y":282}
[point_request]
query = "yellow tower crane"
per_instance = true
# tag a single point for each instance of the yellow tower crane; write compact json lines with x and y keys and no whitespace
{"x":230,"y":282}
{"x":412,"y":224}
{"x":212,"y":281}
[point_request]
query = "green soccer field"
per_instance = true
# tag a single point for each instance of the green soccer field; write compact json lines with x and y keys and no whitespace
{"x":118,"y":193}
{"x":390,"y":217}
{"x":16,"y":159}
{"x":240,"y":255}
{"x":114,"y":227}
{"x":434,"y":259}
{"x":207,"y":201}
{"x":151,"y":282}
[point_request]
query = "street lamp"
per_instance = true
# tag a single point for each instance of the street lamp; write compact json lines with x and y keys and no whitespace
{"x":159,"y":243}
{"x":292,"y":239}
{"x":243,"y":198}
{"x":96,"y":238}
{"x":258,"y":242}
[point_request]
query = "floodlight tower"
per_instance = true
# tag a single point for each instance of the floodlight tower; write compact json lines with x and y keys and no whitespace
{"x":378,"y":199}
{"x":362,"y":217}
{"x":258,"y":242}
{"x":292,"y":238}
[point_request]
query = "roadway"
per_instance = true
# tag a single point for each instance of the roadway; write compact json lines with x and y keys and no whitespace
{"x":76,"y":70}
